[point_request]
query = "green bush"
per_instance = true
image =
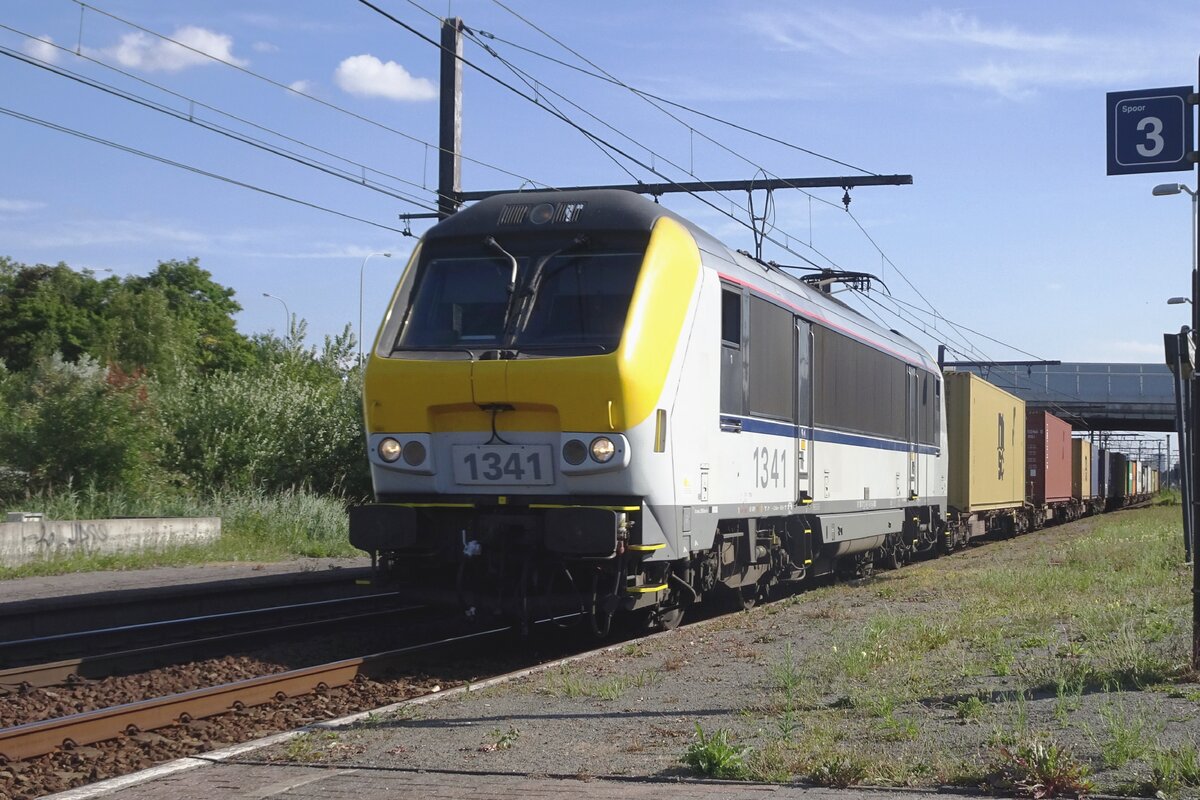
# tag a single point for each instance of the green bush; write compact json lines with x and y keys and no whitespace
{"x":81,"y":424}
{"x":287,"y":422}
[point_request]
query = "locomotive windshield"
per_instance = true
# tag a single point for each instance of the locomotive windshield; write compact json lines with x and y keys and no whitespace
{"x":527,"y":300}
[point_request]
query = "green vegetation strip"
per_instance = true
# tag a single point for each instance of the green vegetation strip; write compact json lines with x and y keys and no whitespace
{"x":1055,"y":664}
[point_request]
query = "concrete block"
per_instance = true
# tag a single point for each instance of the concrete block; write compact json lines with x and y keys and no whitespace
{"x":25,"y":542}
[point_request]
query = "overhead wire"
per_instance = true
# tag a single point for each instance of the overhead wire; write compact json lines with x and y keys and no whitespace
{"x":219,"y":129}
{"x":567,"y":120}
{"x":605,"y":75}
{"x":333,"y":106}
{"x":188,"y":167}
{"x":193,"y":102}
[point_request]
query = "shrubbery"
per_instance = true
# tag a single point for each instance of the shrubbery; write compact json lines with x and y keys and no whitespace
{"x":143,"y":387}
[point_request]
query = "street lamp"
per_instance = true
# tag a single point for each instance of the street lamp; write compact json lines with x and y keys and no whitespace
{"x":1162,"y":190}
{"x":286,"y":311}
{"x":361,"y":270}
{"x":1178,"y":301}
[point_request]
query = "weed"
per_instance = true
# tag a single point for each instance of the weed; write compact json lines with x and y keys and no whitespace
{"x":972,"y":708}
{"x":786,"y":675}
{"x":674,"y":661}
{"x":1039,"y":767}
{"x":716,"y":756}
{"x":501,"y":740}
{"x":1174,"y":768}
{"x":309,"y":746}
{"x":1125,"y":735}
{"x":772,"y":764}
{"x":1067,"y":694}
{"x":839,"y":771}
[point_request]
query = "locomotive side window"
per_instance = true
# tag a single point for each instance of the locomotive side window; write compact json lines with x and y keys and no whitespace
{"x":772,"y":367}
{"x":931,"y":394}
{"x":858,"y":388}
{"x":733,"y":378}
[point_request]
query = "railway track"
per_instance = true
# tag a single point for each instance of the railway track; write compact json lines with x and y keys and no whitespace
{"x":39,"y":738}
{"x":51,"y":616}
{"x":108,"y":652}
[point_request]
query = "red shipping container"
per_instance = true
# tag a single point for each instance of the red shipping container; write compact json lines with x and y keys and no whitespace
{"x":1047,"y":458}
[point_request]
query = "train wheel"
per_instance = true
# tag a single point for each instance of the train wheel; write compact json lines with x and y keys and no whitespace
{"x":742,"y":598}
{"x":668,"y":619}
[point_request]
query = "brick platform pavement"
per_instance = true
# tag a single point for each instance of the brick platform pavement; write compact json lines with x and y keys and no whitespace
{"x":228,"y":780}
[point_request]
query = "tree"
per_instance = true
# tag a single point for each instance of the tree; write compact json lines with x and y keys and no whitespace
{"x":195,"y":298}
{"x":46,"y":310}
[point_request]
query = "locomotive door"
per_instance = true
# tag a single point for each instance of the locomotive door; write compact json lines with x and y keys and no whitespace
{"x":912,"y":427}
{"x":804,"y":410}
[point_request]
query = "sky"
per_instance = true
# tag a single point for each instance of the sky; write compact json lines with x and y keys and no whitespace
{"x":1010,"y":228}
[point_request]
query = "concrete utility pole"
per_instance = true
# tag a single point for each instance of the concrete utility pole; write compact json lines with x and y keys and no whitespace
{"x":450,"y":119}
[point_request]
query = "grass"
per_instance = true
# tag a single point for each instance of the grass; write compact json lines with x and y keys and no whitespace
{"x":255,"y":526}
{"x":1059,"y":629}
{"x":568,"y":682}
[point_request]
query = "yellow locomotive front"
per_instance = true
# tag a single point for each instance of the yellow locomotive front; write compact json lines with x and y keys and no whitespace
{"x":516,"y":402}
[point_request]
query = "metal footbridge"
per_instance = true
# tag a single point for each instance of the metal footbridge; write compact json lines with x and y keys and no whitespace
{"x":1093,"y":397}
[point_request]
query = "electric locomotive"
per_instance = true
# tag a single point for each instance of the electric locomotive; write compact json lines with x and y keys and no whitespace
{"x":580,"y":404}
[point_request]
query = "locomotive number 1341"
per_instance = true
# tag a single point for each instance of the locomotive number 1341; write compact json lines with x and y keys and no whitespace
{"x":770,"y":467}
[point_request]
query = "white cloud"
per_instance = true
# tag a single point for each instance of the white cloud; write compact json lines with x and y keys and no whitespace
{"x":954,"y":48}
{"x":140,"y":50}
{"x":91,"y":233}
{"x":304,"y":87}
{"x":366,"y":75}
{"x":265,"y":47}
{"x":42,"y":48}
{"x":19,"y":206}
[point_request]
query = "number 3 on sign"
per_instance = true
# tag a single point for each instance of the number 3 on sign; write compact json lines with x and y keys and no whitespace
{"x":770,"y":467}
{"x":1153,"y":136}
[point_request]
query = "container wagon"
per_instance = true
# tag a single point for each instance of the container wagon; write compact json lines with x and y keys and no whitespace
{"x":1118,"y":476}
{"x":986,"y":438}
{"x":1048,"y":468}
{"x":1084,"y":477}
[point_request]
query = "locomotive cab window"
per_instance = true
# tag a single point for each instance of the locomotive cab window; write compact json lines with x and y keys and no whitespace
{"x":535,"y":296}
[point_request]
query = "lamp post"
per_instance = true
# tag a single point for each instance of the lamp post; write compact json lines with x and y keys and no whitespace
{"x":1159,"y":191}
{"x":361,"y":271}
{"x":287,"y":314}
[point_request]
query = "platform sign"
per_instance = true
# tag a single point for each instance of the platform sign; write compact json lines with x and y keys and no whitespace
{"x":1149,"y":130}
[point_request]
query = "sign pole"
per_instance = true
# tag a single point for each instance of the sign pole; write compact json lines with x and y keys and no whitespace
{"x":1195,"y":447}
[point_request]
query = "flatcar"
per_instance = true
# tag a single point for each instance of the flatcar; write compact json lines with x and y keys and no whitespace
{"x":582,"y":401}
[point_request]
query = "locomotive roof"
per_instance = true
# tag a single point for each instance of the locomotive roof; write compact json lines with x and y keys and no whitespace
{"x":618,"y":210}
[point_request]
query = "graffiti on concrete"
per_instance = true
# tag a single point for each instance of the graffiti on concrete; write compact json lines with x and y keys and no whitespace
{"x":84,"y":536}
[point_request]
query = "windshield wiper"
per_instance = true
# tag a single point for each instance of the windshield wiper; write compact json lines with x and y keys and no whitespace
{"x":512,"y":280}
{"x":529,"y":293}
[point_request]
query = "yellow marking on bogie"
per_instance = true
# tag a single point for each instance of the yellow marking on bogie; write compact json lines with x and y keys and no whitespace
{"x":646,"y":548}
{"x":646,"y":589}
{"x":577,"y":505}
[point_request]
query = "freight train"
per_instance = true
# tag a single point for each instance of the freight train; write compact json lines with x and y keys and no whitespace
{"x":580,"y":404}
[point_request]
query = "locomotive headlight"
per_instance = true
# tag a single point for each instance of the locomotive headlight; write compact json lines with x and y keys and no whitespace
{"x":574,"y":452}
{"x":603,"y":449}
{"x":389,"y":450}
{"x":414,"y":453}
